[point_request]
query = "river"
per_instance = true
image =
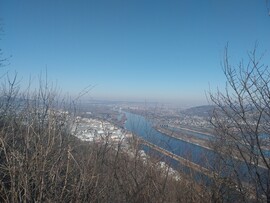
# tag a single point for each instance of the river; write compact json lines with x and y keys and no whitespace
{"x":144,"y":129}
{"x":195,"y":153}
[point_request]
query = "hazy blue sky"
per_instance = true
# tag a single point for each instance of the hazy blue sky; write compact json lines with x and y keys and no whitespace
{"x":132,"y":49}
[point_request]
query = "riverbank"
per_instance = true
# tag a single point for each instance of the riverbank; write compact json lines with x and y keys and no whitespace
{"x":187,"y":138}
{"x":204,"y":132}
{"x":200,"y":142}
{"x":181,"y":160}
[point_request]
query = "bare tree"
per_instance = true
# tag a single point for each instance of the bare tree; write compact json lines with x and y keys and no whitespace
{"x":241,"y":122}
{"x":42,"y":161}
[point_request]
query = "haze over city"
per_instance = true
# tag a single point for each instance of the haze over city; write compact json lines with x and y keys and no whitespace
{"x":163,"y":51}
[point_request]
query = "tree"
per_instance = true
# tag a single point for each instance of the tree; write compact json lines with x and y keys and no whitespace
{"x":241,"y":121}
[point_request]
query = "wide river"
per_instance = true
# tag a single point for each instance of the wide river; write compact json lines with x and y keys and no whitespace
{"x":195,"y":153}
{"x":144,"y":129}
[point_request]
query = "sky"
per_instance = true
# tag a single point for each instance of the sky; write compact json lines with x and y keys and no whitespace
{"x":131,"y":50}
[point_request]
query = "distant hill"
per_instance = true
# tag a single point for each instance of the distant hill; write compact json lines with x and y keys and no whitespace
{"x":202,"y":111}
